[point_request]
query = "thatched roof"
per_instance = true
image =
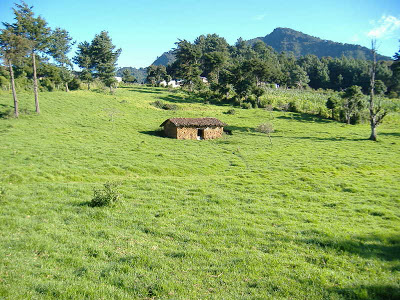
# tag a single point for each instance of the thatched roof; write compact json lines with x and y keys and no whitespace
{"x":195,"y":122}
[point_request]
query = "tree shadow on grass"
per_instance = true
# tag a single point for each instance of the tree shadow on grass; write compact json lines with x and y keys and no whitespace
{"x":302,"y":117}
{"x":387,"y":248}
{"x":377,"y":292}
{"x":6,"y":111}
{"x":180,"y":99}
{"x":397,"y":134}
{"x":146,"y":91}
{"x":337,"y":139}
{"x":234,"y":129}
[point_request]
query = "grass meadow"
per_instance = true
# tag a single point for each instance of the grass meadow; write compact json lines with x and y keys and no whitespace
{"x":315,"y":215}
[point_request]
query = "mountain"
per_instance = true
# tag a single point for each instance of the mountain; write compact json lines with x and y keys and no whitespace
{"x":165,"y":59}
{"x":140,"y":74}
{"x":300,"y":44}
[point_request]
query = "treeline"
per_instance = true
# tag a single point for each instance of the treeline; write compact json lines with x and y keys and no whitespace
{"x":35,"y":57}
{"x":234,"y":73}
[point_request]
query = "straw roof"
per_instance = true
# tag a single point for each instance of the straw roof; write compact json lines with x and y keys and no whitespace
{"x":195,"y":122}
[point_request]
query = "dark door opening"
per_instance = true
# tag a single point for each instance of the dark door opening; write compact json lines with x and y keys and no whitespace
{"x":200,"y":134}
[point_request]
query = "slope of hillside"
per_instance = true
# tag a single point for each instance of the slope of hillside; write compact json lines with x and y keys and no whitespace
{"x":289,"y":40}
{"x":165,"y":59}
{"x":313,"y":216}
{"x":140,"y":74}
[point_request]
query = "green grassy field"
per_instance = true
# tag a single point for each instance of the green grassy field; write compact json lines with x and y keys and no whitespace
{"x":316,"y":215}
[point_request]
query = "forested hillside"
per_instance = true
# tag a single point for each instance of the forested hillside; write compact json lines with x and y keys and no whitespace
{"x":300,"y":44}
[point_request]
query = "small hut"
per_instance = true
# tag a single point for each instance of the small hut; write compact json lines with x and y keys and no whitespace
{"x":193,"y":128}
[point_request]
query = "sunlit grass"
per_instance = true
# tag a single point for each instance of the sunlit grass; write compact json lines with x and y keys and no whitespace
{"x":313,"y":216}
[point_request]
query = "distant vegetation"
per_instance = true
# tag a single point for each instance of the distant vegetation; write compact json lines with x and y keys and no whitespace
{"x":299,"y":44}
{"x":139,"y":74}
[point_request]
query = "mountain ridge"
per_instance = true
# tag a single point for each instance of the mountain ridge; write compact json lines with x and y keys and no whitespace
{"x":283,"y":39}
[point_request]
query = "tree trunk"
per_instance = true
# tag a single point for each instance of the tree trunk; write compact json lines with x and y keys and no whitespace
{"x":373,"y":131}
{"x":66,"y":87}
{"x":16,"y":112}
{"x":372,"y":113}
{"x":88,"y":85}
{"x":35,"y":85}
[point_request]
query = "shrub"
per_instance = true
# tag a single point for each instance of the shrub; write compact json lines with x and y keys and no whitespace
{"x":265,"y":128}
{"x":392,"y":95}
{"x":107,"y":195}
{"x":158,"y":104}
{"x":293,"y":107}
{"x":170,"y":107}
{"x":161,"y":105}
{"x":246,"y":105}
{"x":74,"y":84}
{"x":231,"y":111}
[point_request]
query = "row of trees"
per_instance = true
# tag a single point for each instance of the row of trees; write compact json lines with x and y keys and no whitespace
{"x":30,"y":43}
{"x":243,"y":68}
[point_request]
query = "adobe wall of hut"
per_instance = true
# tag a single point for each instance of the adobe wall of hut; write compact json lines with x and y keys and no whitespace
{"x":193,"y":128}
{"x":213,"y":133}
{"x":186,"y":133}
{"x":170,"y":130}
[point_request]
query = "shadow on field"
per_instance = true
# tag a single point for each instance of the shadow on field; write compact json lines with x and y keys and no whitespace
{"x":305,"y":118}
{"x":144,"y":90}
{"x":384,"y":248}
{"x":390,"y":133}
{"x":240,"y":129}
{"x":157,"y":132}
{"x":180,"y":99}
{"x":328,"y":138}
{"x":381,"y":292}
{"x":6,"y":111}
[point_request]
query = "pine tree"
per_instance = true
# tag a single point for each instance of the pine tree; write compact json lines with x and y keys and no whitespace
{"x":60,"y":44}
{"x":104,"y":58}
{"x":35,"y":30}
{"x":12,"y":49}
{"x":83,"y":59}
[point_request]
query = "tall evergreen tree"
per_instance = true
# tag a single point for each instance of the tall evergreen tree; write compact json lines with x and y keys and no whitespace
{"x":35,"y":30}
{"x":12,"y":49}
{"x":83,"y":58}
{"x":60,"y":44}
{"x":104,"y":58}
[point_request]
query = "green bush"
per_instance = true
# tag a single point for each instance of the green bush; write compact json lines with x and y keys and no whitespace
{"x":161,"y":105}
{"x":231,"y":111}
{"x":105,"y":196}
{"x":170,"y":107}
{"x":246,"y":105}
{"x":74,"y":84}
{"x":392,"y":95}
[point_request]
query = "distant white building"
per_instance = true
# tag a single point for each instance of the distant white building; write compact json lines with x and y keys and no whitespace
{"x":172,"y":83}
{"x":118,"y":79}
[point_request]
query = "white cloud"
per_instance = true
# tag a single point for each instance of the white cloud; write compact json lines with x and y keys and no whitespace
{"x":384,"y":27}
{"x":260,"y":17}
{"x":355,"y":38}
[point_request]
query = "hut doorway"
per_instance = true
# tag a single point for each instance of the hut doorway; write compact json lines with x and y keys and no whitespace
{"x":200,"y":134}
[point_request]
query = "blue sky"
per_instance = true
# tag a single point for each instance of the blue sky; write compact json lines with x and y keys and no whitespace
{"x":144,"y":29}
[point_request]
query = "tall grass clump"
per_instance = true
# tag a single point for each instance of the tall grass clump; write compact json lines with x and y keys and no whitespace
{"x":106,"y":196}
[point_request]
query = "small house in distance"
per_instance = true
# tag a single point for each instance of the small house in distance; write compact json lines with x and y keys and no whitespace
{"x":193,"y":128}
